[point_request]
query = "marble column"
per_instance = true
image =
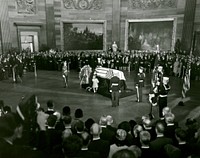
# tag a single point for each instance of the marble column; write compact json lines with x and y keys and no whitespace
{"x":188,"y":25}
{"x":116,"y":21}
{"x":50,"y":24}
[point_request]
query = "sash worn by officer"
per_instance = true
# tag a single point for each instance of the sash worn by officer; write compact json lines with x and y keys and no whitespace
{"x":115,"y":90}
{"x":140,"y":84}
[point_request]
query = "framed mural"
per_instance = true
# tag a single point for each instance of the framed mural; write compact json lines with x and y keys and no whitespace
{"x":83,"y":35}
{"x":150,"y":34}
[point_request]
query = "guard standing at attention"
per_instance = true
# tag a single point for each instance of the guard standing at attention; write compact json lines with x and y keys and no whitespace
{"x":65,"y":74}
{"x":140,"y":83}
{"x":115,"y":90}
{"x":163,"y":90}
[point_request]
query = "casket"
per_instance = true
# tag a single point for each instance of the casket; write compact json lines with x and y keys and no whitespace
{"x":104,"y":75}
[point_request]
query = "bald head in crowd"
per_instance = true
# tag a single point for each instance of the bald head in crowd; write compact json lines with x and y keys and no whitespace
{"x":166,"y":110}
{"x":95,"y":130}
{"x":103,"y":121}
{"x":160,"y":128}
{"x":109,"y":120}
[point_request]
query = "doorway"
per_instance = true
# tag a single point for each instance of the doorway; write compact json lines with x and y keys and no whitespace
{"x":29,"y":41}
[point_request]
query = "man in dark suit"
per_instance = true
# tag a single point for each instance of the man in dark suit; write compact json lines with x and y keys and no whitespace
{"x":85,"y":153}
{"x":184,"y":146}
{"x":97,"y":144}
{"x":109,"y":124}
{"x":170,"y":127}
{"x":106,"y":133}
{"x":115,"y":90}
{"x":50,"y":107}
{"x":72,"y":147}
{"x":148,"y":126}
{"x":145,"y":138}
{"x":11,"y":129}
{"x":53,"y":136}
{"x":158,"y":144}
{"x":65,"y":120}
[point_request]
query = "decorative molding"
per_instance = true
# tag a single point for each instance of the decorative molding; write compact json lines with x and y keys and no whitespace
{"x":39,"y":24}
{"x":26,"y":6}
{"x":152,"y":4}
{"x":83,"y":4}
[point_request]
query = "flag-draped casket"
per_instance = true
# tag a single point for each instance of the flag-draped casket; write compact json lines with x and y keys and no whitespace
{"x":108,"y":73}
{"x":104,"y":75}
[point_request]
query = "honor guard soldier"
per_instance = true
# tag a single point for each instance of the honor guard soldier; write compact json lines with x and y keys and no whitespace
{"x":65,"y":74}
{"x":115,"y":90}
{"x":163,"y":89}
{"x":6,"y":66}
{"x":140,"y":83}
{"x":157,"y":76}
{"x":153,"y":101}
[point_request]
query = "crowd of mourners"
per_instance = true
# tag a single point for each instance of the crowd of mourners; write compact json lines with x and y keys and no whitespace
{"x":36,"y":132}
{"x":174,"y":64}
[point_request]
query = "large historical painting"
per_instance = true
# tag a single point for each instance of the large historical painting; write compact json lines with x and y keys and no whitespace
{"x":148,"y":35}
{"x":83,"y":36}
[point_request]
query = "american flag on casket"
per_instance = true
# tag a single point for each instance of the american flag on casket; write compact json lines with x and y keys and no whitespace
{"x":108,"y":73}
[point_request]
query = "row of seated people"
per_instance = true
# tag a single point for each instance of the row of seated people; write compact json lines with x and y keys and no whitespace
{"x":67,"y":136}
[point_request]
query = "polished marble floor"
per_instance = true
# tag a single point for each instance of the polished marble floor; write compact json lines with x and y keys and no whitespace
{"x":49,"y":85}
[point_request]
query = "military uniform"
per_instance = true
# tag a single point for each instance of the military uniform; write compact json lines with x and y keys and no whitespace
{"x":140,"y":84}
{"x":163,"y":90}
{"x":65,"y":74}
{"x":115,"y":90}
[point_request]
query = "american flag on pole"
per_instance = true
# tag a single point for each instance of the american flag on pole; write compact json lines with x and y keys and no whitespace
{"x":186,"y":80}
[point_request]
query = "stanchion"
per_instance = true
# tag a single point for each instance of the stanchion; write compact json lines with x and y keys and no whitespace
{"x":35,"y":70}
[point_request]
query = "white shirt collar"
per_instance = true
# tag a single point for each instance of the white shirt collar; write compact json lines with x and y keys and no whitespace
{"x":96,"y":138}
{"x":84,"y":148}
{"x":160,"y":135}
{"x":145,"y":147}
{"x":170,"y":124}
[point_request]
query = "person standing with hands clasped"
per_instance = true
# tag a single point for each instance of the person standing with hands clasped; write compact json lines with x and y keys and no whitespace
{"x":115,"y":90}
